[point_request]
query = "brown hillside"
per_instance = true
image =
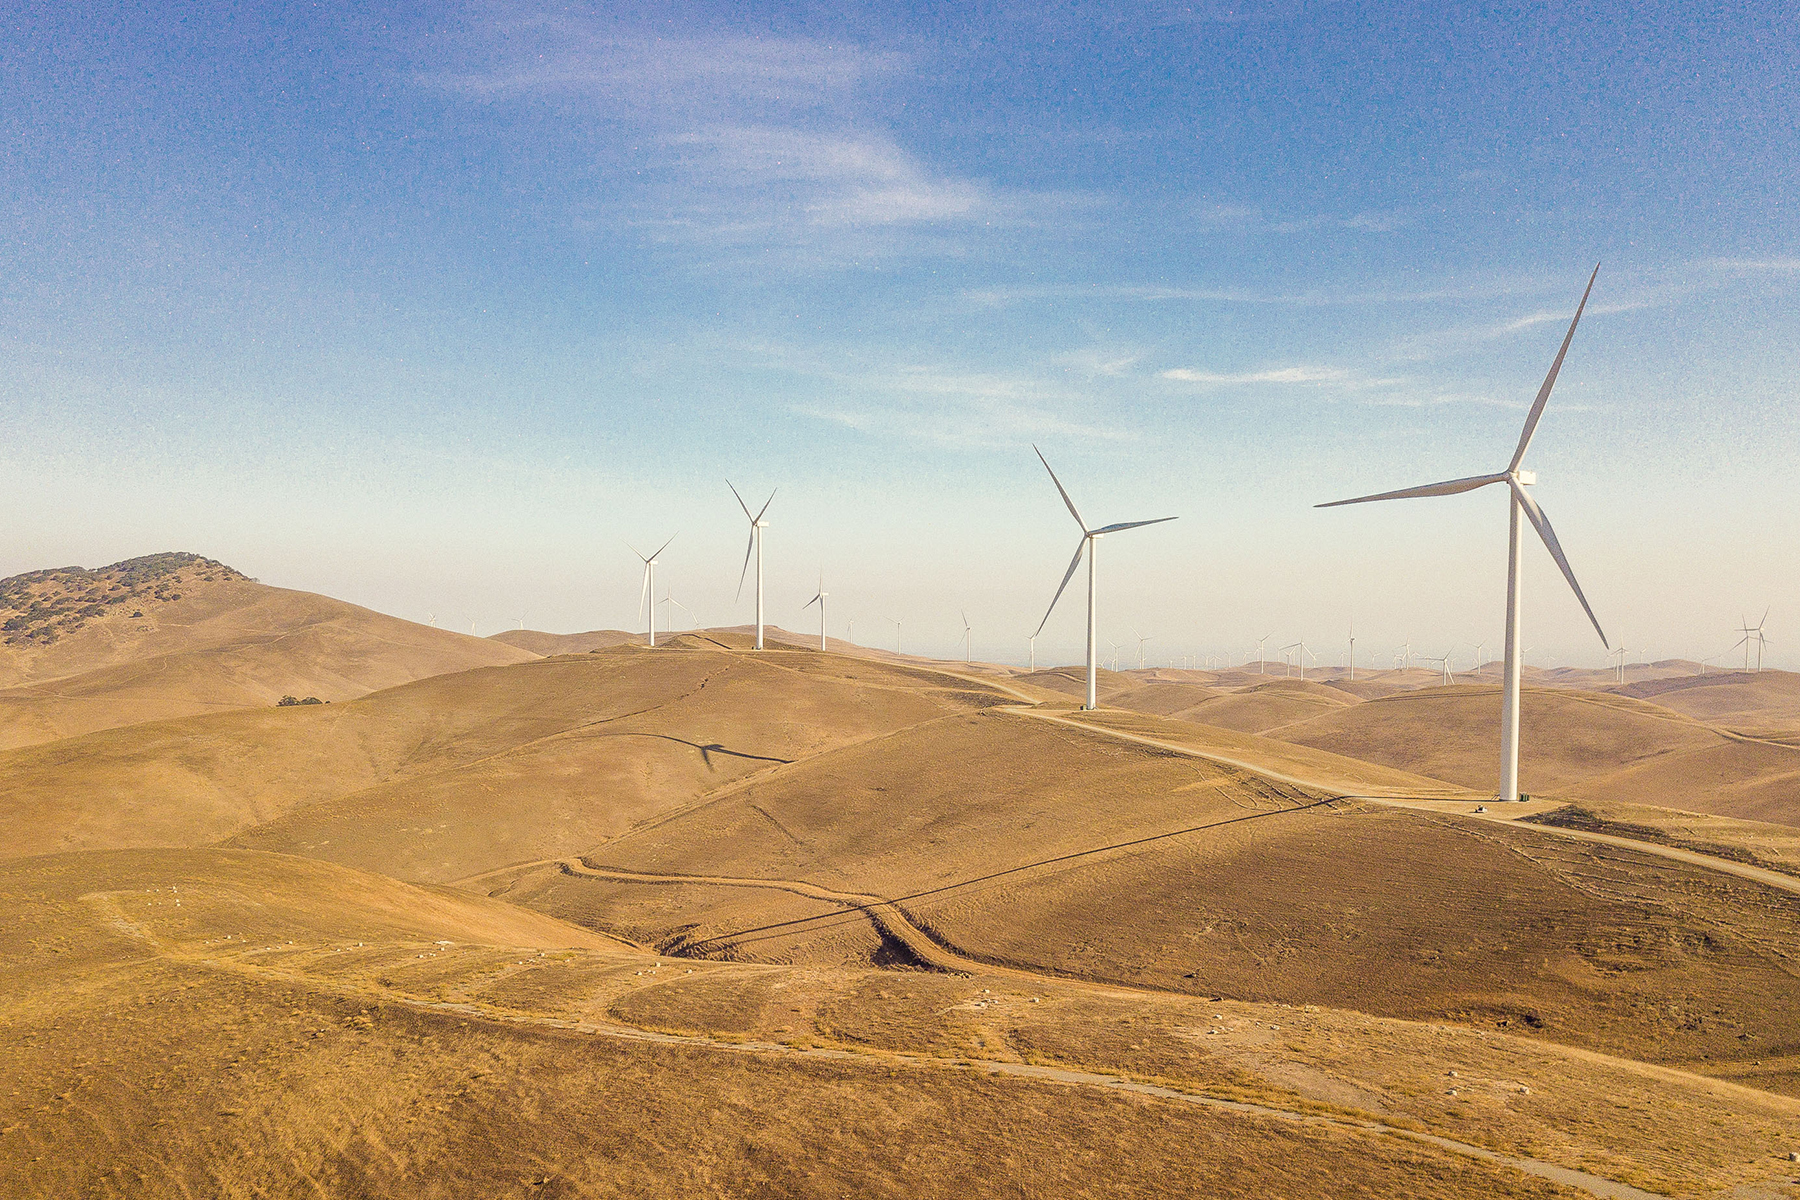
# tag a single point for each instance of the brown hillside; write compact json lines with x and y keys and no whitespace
{"x":211,"y":645}
{"x":547,"y":644}
{"x":1266,"y":706}
{"x":1454,"y":734}
{"x":1752,"y":701}
{"x":256,"y":1025}
{"x":1055,"y":850}
{"x":473,"y":769}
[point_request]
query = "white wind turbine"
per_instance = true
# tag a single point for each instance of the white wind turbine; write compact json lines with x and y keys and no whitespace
{"x":1480,"y":662}
{"x":819,"y":599}
{"x":1301,"y":655}
{"x":1141,"y":639}
{"x":1619,"y":653}
{"x":1032,"y":642}
{"x":1259,"y":651}
{"x":757,"y":525}
{"x":647,"y":596}
{"x":1353,"y":652}
{"x":1516,"y":481}
{"x":1115,"y":647}
{"x":1753,"y":635}
{"x":431,"y":620}
{"x":1090,"y":539}
{"x":669,"y":598}
{"x":965,"y":634}
{"x":896,"y":625}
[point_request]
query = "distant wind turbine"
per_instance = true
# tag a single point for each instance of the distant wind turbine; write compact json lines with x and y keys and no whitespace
{"x":1115,"y":648}
{"x":965,"y":634}
{"x":431,"y":620}
{"x":669,"y":598}
{"x":1753,"y":635}
{"x":757,"y":525}
{"x":1141,"y":639}
{"x":647,"y":596}
{"x":1480,"y":662}
{"x":1090,"y":539}
{"x":819,"y":599}
{"x":1516,"y":481}
{"x":1301,"y":655}
{"x":1259,"y":652}
{"x":521,"y":620}
{"x":1353,"y":652}
{"x":1619,"y":653}
{"x":896,"y":625}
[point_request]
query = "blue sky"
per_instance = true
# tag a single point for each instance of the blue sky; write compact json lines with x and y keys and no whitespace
{"x":436,"y":312}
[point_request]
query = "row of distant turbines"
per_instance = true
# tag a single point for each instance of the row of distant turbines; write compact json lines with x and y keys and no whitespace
{"x":1523,"y":509}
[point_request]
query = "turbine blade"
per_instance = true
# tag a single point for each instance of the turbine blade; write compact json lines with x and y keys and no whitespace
{"x":1449,"y":487}
{"x":634,"y":550}
{"x":740,"y":499}
{"x":809,"y":604}
{"x":1542,"y":524}
{"x":1067,"y":575}
{"x":1543,"y":396}
{"x":765,"y":507}
{"x":1065,"y":496}
{"x":745,"y":573}
{"x":663,"y":547}
{"x":1132,"y":525}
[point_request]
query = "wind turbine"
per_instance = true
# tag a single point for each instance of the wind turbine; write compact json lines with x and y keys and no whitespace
{"x":896,"y":633}
{"x":1300,"y":655}
{"x":431,"y":620}
{"x":1032,"y":642}
{"x":521,"y":620}
{"x":1619,"y":653}
{"x":1259,"y":651}
{"x":819,"y":599}
{"x":1353,"y":652}
{"x":757,"y":525}
{"x":1753,"y":634}
{"x":1115,"y":647}
{"x":1443,"y":662}
{"x":1090,"y":539}
{"x":965,"y":634}
{"x":1516,"y":481}
{"x":1480,"y":662}
{"x":1141,"y":640}
{"x":647,"y":597}
{"x":669,"y":598}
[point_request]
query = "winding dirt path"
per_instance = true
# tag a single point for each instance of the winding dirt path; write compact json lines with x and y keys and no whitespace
{"x":1774,"y":879}
{"x":1595,"y":1185}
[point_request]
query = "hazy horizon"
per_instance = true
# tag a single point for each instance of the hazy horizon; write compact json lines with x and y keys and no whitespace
{"x":437,"y":312}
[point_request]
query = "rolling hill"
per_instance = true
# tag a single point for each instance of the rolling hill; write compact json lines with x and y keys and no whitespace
{"x":187,"y":635}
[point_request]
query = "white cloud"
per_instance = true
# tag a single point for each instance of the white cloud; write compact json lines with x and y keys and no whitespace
{"x":1296,"y":374}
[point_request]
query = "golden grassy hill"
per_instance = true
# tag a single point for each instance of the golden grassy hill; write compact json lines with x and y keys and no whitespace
{"x":1598,"y":745}
{"x":547,"y":644}
{"x":1265,"y":706}
{"x":222,"y":1023}
{"x":1054,"y":850}
{"x":201,"y":638}
{"x":1753,"y":701}
{"x":456,"y":773}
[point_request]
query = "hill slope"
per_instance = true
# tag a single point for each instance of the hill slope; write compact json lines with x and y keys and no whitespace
{"x":186,"y":636}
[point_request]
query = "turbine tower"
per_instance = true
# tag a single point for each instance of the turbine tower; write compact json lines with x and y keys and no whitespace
{"x":1032,"y":642}
{"x":647,"y":596}
{"x":757,"y":525}
{"x":1521,"y":503}
{"x":1301,"y":653}
{"x":1090,"y":539}
{"x":819,"y":599}
{"x":669,"y":598}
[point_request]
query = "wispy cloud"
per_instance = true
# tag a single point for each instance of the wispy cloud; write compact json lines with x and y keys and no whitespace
{"x":1244,"y":218}
{"x":743,"y":143}
{"x":1778,"y":266}
{"x":1296,"y":374}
